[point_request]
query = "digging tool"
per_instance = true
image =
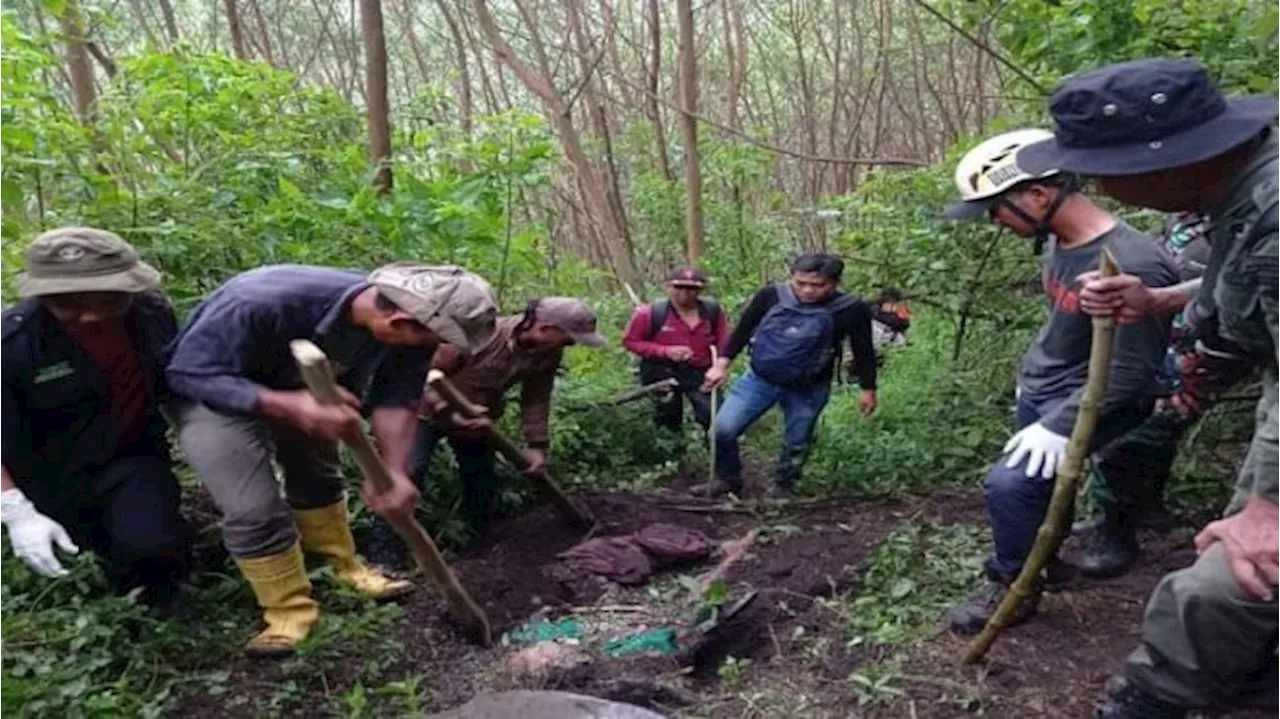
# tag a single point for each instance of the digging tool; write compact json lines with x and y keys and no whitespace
{"x":664,"y":386}
{"x":1056,"y":521}
{"x":503,"y":446}
{"x":711,"y":426}
{"x":317,"y":373}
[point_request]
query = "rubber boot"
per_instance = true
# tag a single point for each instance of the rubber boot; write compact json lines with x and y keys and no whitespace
{"x":327,"y":532}
{"x":1110,"y":550}
{"x":1127,"y":700}
{"x":280,"y":583}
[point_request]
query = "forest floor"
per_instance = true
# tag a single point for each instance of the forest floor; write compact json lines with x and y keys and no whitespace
{"x":848,"y":620}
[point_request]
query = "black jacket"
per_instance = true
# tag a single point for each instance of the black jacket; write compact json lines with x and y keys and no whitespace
{"x":57,"y":426}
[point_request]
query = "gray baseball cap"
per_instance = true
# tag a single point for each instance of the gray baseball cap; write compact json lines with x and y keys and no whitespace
{"x":84,"y":259}
{"x":571,"y":315}
{"x":455,"y":304}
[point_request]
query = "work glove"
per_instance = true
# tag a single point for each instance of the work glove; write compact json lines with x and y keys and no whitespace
{"x":1043,"y":450}
{"x":33,"y":535}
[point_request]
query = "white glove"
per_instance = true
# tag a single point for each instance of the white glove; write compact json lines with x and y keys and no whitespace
{"x":1043,"y":449}
{"x":33,"y":535}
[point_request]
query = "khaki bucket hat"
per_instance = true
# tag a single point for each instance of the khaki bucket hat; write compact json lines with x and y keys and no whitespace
{"x":84,"y":259}
{"x":451,"y":302}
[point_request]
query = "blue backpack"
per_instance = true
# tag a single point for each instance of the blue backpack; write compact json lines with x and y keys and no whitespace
{"x":795,"y":342}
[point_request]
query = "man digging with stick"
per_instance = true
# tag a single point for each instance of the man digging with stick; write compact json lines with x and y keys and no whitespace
{"x":1158,"y":133}
{"x":1045,"y":205}
{"x":246,"y":405}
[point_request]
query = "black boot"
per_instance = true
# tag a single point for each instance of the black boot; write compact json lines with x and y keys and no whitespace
{"x":1088,"y":524}
{"x":1110,"y":550}
{"x":971,"y":615}
{"x":1128,"y":701}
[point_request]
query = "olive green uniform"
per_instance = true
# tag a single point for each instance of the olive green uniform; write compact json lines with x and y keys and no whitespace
{"x":1205,"y":639}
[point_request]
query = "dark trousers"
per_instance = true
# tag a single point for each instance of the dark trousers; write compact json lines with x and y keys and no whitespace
{"x":1016,"y":504}
{"x":669,"y":408}
{"x":127,"y":514}
{"x":475,"y":465}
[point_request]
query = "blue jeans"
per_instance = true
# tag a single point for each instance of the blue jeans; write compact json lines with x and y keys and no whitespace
{"x":475,"y":465}
{"x":1016,"y":503}
{"x":749,"y":399}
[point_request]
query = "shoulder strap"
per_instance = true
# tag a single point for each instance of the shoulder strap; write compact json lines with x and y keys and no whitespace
{"x":841,"y":303}
{"x":786,"y":296}
{"x":711,"y":310}
{"x":658,"y":312}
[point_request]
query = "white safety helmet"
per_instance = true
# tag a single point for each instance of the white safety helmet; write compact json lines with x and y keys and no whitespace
{"x":991,"y":168}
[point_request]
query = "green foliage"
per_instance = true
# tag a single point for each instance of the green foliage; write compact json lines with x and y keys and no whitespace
{"x":911,"y":579}
{"x":1235,"y":39}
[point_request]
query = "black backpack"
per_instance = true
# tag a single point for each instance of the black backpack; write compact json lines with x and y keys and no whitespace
{"x":661,"y":309}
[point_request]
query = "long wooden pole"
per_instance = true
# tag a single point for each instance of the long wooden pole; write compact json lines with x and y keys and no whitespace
{"x":317,"y":373}
{"x":503,"y":446}
{"x":1053,"y":530}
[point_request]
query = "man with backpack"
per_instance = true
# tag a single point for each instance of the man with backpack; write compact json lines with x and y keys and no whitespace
{"x":794,"y":330}
{"x":674,"y":339}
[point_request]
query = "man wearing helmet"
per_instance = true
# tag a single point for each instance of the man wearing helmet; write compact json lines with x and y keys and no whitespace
{"x":1047,"y":206}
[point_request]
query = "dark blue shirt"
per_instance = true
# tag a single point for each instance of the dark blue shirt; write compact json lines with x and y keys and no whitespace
{"x":57,"y":425}
{"x":236,"y":343}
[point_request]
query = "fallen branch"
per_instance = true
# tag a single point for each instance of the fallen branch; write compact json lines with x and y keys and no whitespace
{"x":667,"y":385}
{"x":734,"y":551}
{"x":1056,"y":522}
{"x":317,"y":373}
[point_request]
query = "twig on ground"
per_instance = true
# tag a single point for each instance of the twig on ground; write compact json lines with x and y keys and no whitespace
{"x":734,"y":551}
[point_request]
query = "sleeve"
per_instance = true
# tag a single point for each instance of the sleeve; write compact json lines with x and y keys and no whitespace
{"x":636,"y":339}
{"x":399,"y":378}
{"x":750,"y":319}
{"x":535,"y":403}
{"x":864,"y":352}
{"x":722,"y":332}
{"x":1260,"y":474}
{"x":210,"y":360}
{"x":10,"y":419}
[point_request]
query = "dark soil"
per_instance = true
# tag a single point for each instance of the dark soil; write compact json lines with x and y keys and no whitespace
{"x":1054,"y":666}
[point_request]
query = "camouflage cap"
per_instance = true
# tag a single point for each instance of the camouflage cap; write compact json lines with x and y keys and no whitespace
{"x":451,"y":302}
{"x":84,"y":259}
{"x":571,"y":315}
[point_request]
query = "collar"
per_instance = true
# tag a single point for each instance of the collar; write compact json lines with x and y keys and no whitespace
{"x":336,"y":313}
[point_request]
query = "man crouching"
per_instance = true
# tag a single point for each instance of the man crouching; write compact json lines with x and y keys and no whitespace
{"x":246,"y":405}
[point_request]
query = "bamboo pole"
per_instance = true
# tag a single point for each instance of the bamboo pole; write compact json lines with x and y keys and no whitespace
{"x":1056,"y":522}
{"x":450,"y":393}
{"x":318,"y":376}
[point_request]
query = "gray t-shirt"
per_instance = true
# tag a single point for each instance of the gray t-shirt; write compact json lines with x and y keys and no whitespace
{"x":1057,"y":363}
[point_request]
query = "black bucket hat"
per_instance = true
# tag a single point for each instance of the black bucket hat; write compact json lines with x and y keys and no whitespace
{"x":1144,"y":116}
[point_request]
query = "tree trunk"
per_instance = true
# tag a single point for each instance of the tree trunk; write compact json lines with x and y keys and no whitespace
{"x":375,"y":49}
{"x":237,"y":32}
{"x":170,"y":21}
{"x":695,"y":243}
{"x":465,"y":104}
{"x":84,"y":94}
{"x":263,"y":33}
{"x":589,"y":182}
{"x":654,"y":73}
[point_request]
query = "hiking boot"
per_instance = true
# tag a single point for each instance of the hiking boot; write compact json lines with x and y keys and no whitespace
{"x":715,"y":490}
{"x":971,"y":615}
{"x":1109,"y":551}
{"x":1128,"y":701}
{"x":1060,"y":575}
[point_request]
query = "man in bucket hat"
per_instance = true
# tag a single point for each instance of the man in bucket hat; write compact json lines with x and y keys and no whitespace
{"x":1044,"y":204}
{"x":245,"y":405}
{"x":525,"y":349}
{"x":1158,"y":133}
{"x":86,"y":461}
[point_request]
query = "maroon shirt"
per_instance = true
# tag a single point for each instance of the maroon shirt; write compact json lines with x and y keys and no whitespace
{"x":112,"y":350}
{"x":675,"y":332}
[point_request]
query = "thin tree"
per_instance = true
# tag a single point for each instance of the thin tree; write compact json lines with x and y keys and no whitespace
{"x":377,"y":111}
{"x":695,"y":243}
{"x":237,"y":31}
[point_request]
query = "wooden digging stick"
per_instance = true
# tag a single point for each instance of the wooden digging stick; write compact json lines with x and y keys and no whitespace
{"x":1051,"y":533}
{"x":318,"y":376}
{"x":664,"y":385}
{"x":503,"y":446}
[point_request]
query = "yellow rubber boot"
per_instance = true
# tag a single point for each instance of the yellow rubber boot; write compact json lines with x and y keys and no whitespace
{"x":280,"y":583}
{"x":327,"y":532}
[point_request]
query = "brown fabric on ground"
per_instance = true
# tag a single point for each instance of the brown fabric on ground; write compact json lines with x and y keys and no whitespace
{"x":630,"y":559}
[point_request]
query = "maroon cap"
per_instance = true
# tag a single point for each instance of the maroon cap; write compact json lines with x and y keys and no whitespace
{"x":687,"y":277}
